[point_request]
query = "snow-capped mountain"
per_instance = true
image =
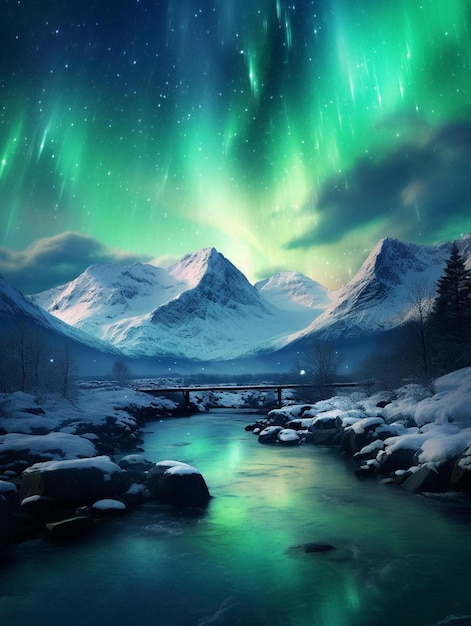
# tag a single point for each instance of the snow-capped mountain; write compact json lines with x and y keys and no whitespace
{"x":14,"y":307}
{"x":201,"y":308}
{"x":384,"y":290}
{"x":295,"y":292}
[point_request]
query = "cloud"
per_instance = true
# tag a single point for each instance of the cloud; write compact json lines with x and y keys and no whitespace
{"x":56,"y":260}
{"x":422,"y":186}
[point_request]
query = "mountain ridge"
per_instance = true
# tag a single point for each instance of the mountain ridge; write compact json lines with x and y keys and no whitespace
{"x":203,"y":308}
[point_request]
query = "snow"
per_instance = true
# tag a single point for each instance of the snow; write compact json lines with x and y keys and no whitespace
{"x":442,"y":447}
{"x":288,"y":435}
{"x":102,"y":463}
{"x":108,"y":504}
{"x":379,"y":296}
{"x":134,"y":459}
{"x":295,"y":292}
{"x":360,"y":426}
{"x":92,"y":405}
{"x":202,"y":305}
{"x":54,"y":445}
{"x":177,"y":467}
{"x":443,"y":420}
{"x":135,"y":489}
{"x":30,"y":499}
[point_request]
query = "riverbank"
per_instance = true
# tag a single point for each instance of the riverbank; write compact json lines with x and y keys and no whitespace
{"x":410,"y":437}
{"x":397,"y":559}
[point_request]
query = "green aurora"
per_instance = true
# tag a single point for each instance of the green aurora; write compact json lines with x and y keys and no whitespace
{"x":288,"y":135}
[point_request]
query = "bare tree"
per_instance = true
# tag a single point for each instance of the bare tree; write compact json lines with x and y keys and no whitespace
{"x":25,"y":356}
{"x":320,"y":368}
{"x":417,"y":341}
{"x":121,"y":373}
{"x":64,"y":369}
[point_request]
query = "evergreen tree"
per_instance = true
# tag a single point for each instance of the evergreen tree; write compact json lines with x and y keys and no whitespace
{"x":451,"y":315}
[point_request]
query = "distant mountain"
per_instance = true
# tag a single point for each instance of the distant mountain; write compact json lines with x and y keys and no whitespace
{"x":295,"y":292}
{"x":204,"y":309}
{"x":382,"y":293}
{"x":201,"y":308}
{"x":15,"y":308}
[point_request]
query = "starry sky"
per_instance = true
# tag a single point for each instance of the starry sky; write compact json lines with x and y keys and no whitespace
{"x":288,"y":135}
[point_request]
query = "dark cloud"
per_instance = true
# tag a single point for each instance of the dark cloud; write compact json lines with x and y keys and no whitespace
{"x":422,"y":186}
{"x":56,"y":260}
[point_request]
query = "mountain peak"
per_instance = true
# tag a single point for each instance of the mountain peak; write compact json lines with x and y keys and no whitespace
{"x":191,"y":268}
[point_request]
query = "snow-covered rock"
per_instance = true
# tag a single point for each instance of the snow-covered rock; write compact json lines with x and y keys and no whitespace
{"x":289,"y":437}
{"x":178,"y":483}
{"x":18,"y":451}
{"x":75,"y":482}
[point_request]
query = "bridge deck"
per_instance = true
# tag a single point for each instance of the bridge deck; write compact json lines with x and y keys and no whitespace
{"x":158,"y":391}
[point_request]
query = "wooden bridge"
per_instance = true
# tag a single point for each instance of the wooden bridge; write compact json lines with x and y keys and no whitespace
{"x":161,"y":391}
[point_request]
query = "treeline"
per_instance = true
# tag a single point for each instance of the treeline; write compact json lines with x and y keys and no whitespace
{"x":30,"y":363}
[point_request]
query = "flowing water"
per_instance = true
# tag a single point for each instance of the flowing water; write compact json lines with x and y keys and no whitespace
{"x":398,"y":560}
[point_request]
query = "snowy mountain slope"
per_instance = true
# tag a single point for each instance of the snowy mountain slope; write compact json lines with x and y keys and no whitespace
{"x":14,"y":307}
{"x":382,"y":293}
{"x":103,"y":294}
{"x":201,"y":308}
{"x":295,"y":292}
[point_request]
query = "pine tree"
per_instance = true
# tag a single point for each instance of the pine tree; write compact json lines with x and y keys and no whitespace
{"x":451,"y":314}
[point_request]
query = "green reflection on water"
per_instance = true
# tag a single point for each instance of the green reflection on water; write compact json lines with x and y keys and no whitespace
{"x":398,"y":559}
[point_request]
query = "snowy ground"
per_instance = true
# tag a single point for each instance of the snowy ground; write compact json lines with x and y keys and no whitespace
{"x":54,"y":428}
{"x":436,"y":426}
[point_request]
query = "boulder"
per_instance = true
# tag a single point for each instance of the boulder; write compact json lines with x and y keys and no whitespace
{"x":360,"y":434}
{"x":289,"y":437}
{"x":396,"y":459}
{"x":42,"y":508}
{"x":325,"y":437}
{"x":460,"y":479}
{"x":269,"y":434}
{"x":19,"y":451}
{"x":136,"y":466}
{"x":76,"y":482}
{"x":178,"y":483}
{"x":429,"y":478}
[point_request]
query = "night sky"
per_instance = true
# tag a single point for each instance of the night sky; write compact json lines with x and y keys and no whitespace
{"x":288,"y":135}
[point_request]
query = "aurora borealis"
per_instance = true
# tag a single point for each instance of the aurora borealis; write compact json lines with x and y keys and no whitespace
{"x":288,"y":135}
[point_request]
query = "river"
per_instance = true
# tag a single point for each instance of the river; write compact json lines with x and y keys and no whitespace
{"x":399,"y":559}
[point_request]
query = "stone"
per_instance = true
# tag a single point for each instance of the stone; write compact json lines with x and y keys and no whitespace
{"x":75,"y":483}
{"x":269,"y":434}
{"x":42,"y":508}
{"x":427,"y":478}
{"x":325,"y":437}
{"x":460,"y":479}
{"x":289,"y":437}
{"x":314,"y":547}
{"x":178,"y":483}
{"x":399,"y":459}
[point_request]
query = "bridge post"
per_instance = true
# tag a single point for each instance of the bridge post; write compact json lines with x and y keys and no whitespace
{"x":186,"y":395}
{"x":279,"y":397}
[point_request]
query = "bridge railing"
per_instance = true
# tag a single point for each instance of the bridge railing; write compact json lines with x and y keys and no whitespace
{"x":186,"y":390}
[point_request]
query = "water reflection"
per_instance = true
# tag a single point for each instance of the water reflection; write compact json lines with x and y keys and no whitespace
{"x":398,"y":558}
